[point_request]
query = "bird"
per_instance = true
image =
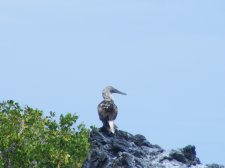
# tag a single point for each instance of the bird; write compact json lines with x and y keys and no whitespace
{"x":107,"y":110}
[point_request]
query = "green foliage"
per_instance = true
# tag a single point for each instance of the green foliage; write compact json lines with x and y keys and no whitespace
{"x":28,"y":139}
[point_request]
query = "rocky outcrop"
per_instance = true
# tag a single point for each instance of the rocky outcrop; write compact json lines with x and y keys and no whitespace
{"x":124,"y":150}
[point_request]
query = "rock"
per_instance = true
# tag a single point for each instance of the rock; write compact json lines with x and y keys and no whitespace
{"x":124,"y":150}
{"x":186,"y":155}
{"x":214,"y":166}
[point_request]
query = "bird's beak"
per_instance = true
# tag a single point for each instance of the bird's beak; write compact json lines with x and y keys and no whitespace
{"x":117,"y":91}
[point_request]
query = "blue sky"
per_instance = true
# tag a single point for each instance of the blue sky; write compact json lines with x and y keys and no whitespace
{"x":168,"y":56}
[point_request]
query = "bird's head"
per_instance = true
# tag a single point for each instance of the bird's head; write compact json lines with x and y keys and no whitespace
{"x":107,"y":92}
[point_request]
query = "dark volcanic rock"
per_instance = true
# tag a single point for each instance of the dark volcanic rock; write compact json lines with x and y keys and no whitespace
{"x":124,"y":150}
{"x":215,"y":166}
{"x":186,"y":155}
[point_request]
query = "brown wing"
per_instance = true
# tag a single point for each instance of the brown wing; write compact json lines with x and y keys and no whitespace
{"x":107,"y":111}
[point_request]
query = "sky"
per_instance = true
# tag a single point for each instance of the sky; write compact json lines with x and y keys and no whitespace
{"x":168,"y":56}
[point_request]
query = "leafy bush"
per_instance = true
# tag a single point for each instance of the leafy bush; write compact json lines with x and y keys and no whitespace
{"x":28,"y":139}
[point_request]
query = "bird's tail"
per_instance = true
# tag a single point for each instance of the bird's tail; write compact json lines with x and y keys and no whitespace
{"x":111,"y":126}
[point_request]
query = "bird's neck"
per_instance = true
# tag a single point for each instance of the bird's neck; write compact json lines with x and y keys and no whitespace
{"x":107,"y":96}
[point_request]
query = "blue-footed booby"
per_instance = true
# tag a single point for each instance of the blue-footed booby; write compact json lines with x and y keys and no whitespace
{"x":107,"y":110}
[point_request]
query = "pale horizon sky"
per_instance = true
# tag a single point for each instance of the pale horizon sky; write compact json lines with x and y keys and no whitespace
{"x":168,"y":56}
